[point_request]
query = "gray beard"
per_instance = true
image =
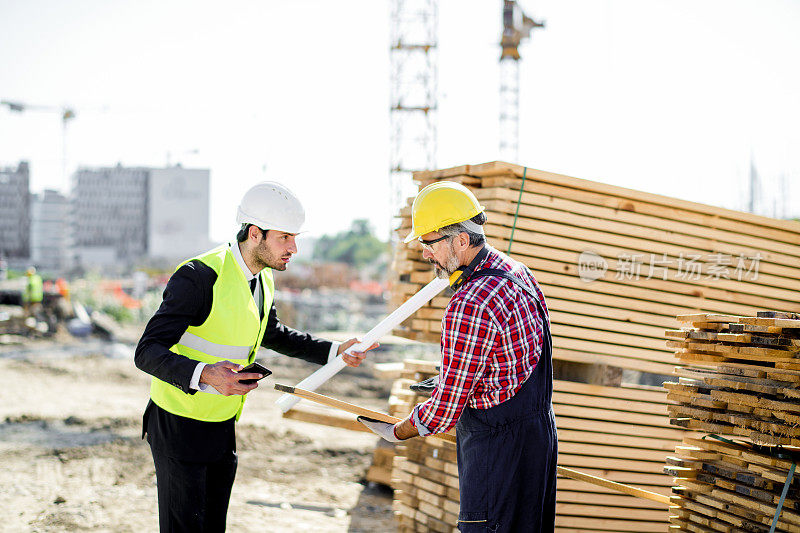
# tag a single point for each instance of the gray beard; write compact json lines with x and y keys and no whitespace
{"x":446,"y":270}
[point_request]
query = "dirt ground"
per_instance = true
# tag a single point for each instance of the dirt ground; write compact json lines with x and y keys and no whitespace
{"x":73,"y":460}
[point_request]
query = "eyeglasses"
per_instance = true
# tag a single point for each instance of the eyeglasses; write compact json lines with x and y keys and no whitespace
{"x":428,"y":245}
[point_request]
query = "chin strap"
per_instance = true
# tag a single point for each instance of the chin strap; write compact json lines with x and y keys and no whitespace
{"x":462,"y":274}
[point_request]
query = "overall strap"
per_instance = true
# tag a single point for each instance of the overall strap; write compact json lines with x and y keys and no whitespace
{"x":487,"y":272}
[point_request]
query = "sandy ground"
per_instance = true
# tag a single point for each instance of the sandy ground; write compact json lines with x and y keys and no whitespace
{"x":73,"y":460}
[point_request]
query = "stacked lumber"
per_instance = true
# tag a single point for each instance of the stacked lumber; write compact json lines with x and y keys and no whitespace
{"x":739,"y":381}
{"x":617,"y":433}
{"x":652,"y":258}
{"x":732,"y":486}
{"x":740,"y":378}
{"x":424,"y":474}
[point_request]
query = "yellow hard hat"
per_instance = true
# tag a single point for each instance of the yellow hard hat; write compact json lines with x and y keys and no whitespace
{"x":441,"y":204}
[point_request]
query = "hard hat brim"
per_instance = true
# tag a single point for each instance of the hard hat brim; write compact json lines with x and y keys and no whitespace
{"x":417,"y":234}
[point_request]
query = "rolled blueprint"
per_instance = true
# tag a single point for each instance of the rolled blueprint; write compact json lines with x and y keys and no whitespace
{"x":425,"y":294}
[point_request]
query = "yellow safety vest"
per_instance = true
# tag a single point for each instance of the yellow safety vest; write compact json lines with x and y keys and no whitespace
{"x":34,"y":291}
{"x":232,"y":332}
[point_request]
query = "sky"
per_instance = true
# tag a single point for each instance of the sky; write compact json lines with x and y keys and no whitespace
{"x":674,"y":97}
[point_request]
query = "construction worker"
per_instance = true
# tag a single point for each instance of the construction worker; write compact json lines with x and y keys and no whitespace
{"x":63,"y":288}
{"x":496,"y":379}
{"x":217,"y":310}
{"x":34,"y":292}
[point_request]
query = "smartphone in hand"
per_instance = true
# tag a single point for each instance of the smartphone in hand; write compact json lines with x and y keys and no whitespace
{"x":256,"y":369}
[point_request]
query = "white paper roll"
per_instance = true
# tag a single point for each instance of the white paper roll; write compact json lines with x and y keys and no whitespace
{"x":425,"y":294}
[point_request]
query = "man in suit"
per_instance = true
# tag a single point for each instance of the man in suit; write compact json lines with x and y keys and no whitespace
{"x":217,"y":310}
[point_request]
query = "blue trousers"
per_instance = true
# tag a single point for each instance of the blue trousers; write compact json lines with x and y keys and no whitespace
{"x":507,"y":458}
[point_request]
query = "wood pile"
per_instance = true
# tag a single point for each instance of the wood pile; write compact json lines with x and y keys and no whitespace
{"x":616,"y":265}
{"x":739,"y":382}
{"x":424,"y":474}
{"x":618,"y":433}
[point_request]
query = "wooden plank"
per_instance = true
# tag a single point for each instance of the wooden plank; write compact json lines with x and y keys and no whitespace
{"x":678,"y":292}
{"x":566,"y":249}
{"x":652,"y":334}
{"x":640,"y":393}
{"x":599,"y":511}
{"x":573,"y":485}
{"x":642,"y":202}
{"x":689,"y":293}
{"x":606,"y":244}
{"x":691,"y":234}
{"x":610,"y":414}
{"x":614,"y":427}
{"x":569,"y":337}
{"x":631,"y":406}
{"x":608,"y":451}
{"x":332,"y":419}
{"x":631,"y":477}
{"x":656,"y":300}
{"x":348,"y":407}
{"x":590,"y":357}
{"x":628,"y":313}
{"x":582,"y":462}
{"x":708,"y":317}
{"x":585,"y":524}
{"x":772,"y":322}
{"x":609,"y":500}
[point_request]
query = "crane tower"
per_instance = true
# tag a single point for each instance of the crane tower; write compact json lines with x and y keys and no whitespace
{"x":414,"y":27}
{"x":516,"y":27}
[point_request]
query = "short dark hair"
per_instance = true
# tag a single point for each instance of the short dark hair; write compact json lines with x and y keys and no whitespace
{"x":245,"y":230}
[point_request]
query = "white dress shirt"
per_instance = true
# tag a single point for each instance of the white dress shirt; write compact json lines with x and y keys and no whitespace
{"x":258,"y":296}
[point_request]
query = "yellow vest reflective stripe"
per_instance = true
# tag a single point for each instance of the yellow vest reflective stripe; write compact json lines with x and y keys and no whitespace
{"x":232,"y":332}
{"x":221,"y":351}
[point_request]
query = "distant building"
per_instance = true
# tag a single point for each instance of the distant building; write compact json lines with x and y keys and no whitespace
{"x":109,"y":215}
{"x":122,"y":216}
{"x":15,"y":213}
{"x":178,"y":212}
{"x":49,"y":231}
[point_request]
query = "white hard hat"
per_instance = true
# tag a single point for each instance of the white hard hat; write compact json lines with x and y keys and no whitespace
{"x":270,"y":205}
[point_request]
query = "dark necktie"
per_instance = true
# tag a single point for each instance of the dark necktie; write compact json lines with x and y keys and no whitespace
{"x":253,"y":292}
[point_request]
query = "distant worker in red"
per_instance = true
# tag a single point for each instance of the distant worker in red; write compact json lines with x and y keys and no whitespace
{"x":496,"y":379}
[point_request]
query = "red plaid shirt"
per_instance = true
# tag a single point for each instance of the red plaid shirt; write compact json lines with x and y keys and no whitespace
{"x":491,"y":342}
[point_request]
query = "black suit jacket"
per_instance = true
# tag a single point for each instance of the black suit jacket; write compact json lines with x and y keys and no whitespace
{"x":187,"y":302}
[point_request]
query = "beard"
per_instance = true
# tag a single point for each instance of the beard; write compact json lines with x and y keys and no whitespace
{"x":451,"y":264}
{"x":268,"y":258}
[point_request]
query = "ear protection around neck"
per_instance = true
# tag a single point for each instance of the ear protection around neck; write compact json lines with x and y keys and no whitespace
{"x":462,"y":274}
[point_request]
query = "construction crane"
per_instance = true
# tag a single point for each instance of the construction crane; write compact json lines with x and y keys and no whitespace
{"x":414,"y":27}
{"x":516,"y":27}
{"x":67,"y":114}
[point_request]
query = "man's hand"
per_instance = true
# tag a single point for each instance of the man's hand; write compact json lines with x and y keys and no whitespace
{"x":353,"y":358}
{"x":382,"y":429}
{"x":224,"y":376}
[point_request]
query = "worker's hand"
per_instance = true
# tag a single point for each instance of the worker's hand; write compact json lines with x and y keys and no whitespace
{"x":382,"y":429}
{"x":224,"y":376}
{"x":353,"y":358}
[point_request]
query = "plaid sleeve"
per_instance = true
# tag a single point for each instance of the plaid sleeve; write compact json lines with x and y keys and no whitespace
{"x":468,"y":333}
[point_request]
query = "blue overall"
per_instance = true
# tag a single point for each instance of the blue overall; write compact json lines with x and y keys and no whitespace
{"x":507,"y":454}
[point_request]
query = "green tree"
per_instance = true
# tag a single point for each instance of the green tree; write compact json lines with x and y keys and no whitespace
{"x":357,"y":246}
